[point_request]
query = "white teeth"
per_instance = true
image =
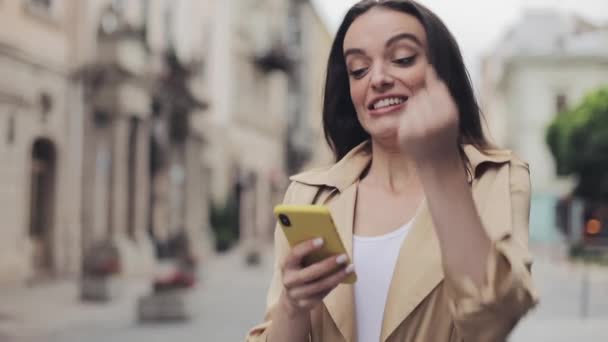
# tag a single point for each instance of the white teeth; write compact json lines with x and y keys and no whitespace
{"x":387,"y":102}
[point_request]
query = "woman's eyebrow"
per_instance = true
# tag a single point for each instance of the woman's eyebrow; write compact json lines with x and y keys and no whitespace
{"x":353,"y":52}
{"x":401,"y":36}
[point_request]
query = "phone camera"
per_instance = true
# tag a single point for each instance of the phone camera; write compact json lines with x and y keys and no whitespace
{"x":284,"y":220}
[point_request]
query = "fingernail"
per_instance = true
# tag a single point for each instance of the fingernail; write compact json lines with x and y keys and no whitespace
{"x":350,"y":269}
{"x":317,"y":242}
{"x":341,"y":259}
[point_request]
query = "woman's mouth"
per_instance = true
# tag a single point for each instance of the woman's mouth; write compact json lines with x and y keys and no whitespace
{"x":387,"y":105}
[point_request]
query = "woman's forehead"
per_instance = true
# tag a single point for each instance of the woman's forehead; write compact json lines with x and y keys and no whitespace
{"x":378,"y":25}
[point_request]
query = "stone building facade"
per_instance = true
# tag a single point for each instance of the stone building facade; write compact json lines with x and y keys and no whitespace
{"x":41,"y":139}
{"x":266,"y":67}
{"x":120,"y":121}
{"x":546,"y":63}
{"x":102,"y":111}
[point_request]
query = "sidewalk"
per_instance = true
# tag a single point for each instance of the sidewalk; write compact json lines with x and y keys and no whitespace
{"x":560,"y":313}
{"x":228,"y":300}
{"x":41,"y":310}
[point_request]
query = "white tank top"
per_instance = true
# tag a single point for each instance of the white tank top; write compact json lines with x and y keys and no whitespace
{"x":374,"y":258}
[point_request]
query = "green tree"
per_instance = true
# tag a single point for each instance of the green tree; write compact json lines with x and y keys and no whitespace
{"x":224,"y":221}
{"x":578,"y":140}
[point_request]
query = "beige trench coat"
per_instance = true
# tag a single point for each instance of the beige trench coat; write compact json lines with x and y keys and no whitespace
{"x":425,"y":304}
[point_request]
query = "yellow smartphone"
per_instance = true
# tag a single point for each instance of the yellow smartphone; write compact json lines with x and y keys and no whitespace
{"x":306,"y":222}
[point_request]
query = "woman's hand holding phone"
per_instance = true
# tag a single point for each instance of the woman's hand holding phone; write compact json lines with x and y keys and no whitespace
{"x":305,"y":286}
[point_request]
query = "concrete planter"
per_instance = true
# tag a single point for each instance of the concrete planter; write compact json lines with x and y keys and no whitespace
{"x":172,"y":305}
{"x":100,"y":289}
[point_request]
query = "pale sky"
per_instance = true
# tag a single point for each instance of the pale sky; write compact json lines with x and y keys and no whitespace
{"x":478,"y":24}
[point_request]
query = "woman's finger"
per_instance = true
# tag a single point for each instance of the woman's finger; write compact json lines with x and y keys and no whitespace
{"x":322,"y":285}
{"x":299,"y":251}
{"x":315,"y":271}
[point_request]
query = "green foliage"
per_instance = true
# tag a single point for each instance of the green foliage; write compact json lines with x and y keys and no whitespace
{"x":582,"y":253}
{"x":225,"y":223}
{"x":578,"y":140}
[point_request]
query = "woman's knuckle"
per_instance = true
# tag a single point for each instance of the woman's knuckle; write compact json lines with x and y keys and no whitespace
{"x":330,"y":263}
{"x":324,"y":285}
{"x":289,"y":281}
{"x":296,"y":294}
{"x":317,"y":270}
{"x":338,"y":277}
{"x":315,"y":288}
{"x":300,"y":278}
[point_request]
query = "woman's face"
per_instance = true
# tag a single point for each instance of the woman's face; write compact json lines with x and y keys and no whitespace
{"x":385,"y":55}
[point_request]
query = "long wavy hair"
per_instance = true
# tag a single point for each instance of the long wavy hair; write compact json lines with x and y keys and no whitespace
{"x":342,"y":129}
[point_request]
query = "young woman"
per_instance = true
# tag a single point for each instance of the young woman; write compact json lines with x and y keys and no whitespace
{"x":435,"y":219}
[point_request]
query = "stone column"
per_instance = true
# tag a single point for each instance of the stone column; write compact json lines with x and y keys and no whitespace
{"x":142,"y":181}
{"x":101,"y":184}
{"x":119,"y":179}
{"x":72,"y":162}
{"x":160,"y":204}
{"x":194,"y":195}
{"x":177,"y":188}
{"x":247,"y":220}
{"x":88,"y":183}
{"x":141,"y":245}
{"x":263,"y":209}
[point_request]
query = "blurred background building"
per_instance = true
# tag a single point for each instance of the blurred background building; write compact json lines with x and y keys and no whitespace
{"x":545,"y":63}
{"x":127,"y":122}
{"x":41,"y":159}
{"x":267,"y":58}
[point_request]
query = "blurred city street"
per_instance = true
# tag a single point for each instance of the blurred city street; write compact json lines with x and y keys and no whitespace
{"x":145,"y":143}
{"x":230,"y":299}
{"x":559,"y":315}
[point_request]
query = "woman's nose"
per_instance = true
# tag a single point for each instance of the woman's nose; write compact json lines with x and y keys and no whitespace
{"x":381,"y":80}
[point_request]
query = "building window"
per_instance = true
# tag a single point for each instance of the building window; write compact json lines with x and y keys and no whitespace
{"x":44,"y":4}
{"x":118,"y":5}
{"x":561,"y":103}
{"x":48,"y":10}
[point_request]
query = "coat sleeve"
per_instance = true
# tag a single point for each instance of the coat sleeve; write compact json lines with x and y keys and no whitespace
{"x":259,"y":333}
{"x":489,"y":313}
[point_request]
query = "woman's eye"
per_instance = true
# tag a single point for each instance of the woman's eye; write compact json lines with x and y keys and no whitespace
{"x":358,"y":73}
{"x":405,"y":61}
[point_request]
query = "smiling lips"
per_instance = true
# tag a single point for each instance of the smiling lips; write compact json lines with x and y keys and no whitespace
{"x":387,"y":104}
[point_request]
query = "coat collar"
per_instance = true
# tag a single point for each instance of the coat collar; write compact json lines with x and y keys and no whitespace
{"x":349,"y":169}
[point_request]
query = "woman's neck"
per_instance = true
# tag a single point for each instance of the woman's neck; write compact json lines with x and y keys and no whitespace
{"x":391,"y":169}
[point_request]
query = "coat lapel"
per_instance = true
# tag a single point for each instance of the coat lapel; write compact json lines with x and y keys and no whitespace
{"x":340,"y":302}
{"x":417,"y":272}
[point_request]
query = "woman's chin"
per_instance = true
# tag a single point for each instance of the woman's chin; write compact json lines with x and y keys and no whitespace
{"x":387,"y":138}
{"x":385,"y":134}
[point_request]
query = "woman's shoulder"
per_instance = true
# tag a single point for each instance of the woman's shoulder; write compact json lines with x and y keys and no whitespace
{"x":340,"y":174}
{"x":488,"y":165}
{"x":317,"y":176}
{"x":492,"y":156}
{"x":304,"y":186}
